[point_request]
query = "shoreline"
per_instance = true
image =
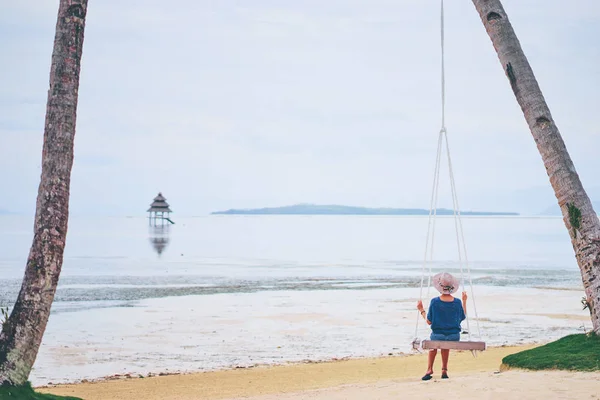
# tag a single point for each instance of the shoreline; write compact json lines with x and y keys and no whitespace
{"x":119,"y":376}
{"x":198,"y":334}
{"x":265,"y":380}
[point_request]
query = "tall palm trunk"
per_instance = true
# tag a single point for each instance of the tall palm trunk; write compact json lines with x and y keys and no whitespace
{"x":579,"y":216}
{"x":21,"y":335}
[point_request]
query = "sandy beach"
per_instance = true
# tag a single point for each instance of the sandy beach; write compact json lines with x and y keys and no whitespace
{"x":370,"y":378}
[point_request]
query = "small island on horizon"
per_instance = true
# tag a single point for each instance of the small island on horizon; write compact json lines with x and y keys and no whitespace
{"x":314,"y":209}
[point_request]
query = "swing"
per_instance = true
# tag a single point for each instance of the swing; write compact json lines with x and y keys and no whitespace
{"x":460,"y":240}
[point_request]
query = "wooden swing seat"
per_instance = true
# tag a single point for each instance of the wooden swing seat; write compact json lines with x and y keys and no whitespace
{"x":448,"y":345}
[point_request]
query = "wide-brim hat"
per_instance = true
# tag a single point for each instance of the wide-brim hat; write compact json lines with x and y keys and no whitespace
{"x":445,"y":283}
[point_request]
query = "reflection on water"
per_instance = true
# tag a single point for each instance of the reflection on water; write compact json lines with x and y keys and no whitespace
{"x":159,"y":237}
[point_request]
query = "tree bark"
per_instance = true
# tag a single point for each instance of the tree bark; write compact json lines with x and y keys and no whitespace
{"x":578,"y":214}
{"x":22,"y":333}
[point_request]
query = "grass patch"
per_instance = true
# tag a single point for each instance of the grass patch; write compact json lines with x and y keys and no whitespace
{"x":26,"y":392}
{"x":573,"y":353}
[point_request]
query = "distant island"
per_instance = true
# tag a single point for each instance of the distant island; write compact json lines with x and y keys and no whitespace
{"x":313,"y":209}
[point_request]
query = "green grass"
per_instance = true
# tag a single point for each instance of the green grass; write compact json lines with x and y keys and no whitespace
{"x":26,"y":392}
{"x":573,"y":353}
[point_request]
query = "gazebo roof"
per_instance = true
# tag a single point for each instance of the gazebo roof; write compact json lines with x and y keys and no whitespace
{"x":160,"y":197}
{"x":159,"y":204}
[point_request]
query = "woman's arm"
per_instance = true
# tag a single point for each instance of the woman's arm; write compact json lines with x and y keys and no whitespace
{"x":422,"y":312}
{"x":464,"y":301}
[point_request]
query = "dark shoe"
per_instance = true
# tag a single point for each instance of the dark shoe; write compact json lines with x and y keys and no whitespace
{"x":445,"y":374}
{"x":426,"y":377}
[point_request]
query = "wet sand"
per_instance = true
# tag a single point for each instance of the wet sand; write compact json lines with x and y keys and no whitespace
{"x":193,"y":334}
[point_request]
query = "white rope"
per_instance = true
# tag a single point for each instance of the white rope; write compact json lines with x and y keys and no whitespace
{"x":435,"y":207}
{"x":432,"y":213}
{"x":443,"y":67}
{"x":459,"y":228}
{"x":456,"y":213}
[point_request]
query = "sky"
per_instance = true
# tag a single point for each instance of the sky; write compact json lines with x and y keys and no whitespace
{"x":239,"y":104}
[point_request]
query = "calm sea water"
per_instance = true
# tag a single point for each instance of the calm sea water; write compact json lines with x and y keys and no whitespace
{"x":118,"y":260}
{"x":221,"y":291}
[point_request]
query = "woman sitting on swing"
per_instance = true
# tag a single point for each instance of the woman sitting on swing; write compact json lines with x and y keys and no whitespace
{"x":445,"y":315}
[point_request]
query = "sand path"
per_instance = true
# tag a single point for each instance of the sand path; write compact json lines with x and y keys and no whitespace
{"x":506,"y":385}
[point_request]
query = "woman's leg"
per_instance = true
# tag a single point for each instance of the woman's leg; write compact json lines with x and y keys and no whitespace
{"x":445,"y":356}
{"x":430,"y":360}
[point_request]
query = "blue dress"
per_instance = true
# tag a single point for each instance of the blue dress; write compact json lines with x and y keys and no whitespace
{"x":445,"y":319}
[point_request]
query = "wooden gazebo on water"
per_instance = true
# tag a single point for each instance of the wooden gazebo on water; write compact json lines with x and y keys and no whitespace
{"x":159,"y":211}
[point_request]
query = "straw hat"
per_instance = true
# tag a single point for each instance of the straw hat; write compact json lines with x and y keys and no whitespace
{"x":445,"y":283}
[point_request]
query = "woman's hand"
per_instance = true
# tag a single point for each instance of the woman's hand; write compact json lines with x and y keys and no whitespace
{"x":420,"y":305}
{"x":464,"y":297}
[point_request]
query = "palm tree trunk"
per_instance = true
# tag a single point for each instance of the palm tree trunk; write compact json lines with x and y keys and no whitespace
{"x":578,"y":215}
{"x":22,"y":333}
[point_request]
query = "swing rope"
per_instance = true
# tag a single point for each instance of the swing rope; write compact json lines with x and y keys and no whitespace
{"x":460,"y":239}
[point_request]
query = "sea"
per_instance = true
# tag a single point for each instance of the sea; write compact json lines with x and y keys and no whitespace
{"x":234,"y":291}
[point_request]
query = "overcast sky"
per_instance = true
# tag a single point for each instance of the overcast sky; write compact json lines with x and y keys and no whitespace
{"x":228,"y":104}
